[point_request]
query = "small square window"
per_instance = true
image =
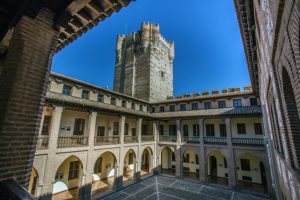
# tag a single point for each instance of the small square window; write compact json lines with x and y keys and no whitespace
{"x":183,"y":107}
{"x":195,"y":106}
{"x":67,"y":90}
{"x":100,"y":98}
{"x":245,"y":165}
{"x":113,"y":101}
{"x":161,"y":109}
{"x":241,"y":128}
{"x":253,"y":102}
{"x":221,"y":104}
{"x":172,"y":108}
{"x":207,"y":105}
{"x":237,"y":102}
{"x":85,"y":94}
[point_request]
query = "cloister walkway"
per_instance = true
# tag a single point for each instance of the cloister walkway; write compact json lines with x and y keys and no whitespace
{"x":163,"y":188}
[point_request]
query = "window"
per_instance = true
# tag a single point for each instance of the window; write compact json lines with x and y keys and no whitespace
{"x":153,"y":109}
{"x":186,"y":158}
{"x":162,"y":109}
{"x":144,"y":129}
{"x":101,"y":131}
{"x":210,"y":130}
{"x":161,"y":129}
{"x":100,"y":98}
{"x":73,"y":170}
{"x":46,"y":125}
{"x":116,"y":128}
{"x":185,"y":130}
{"x":195,"y":129}
{"x":67,"y":90}
{"x":241,"y":128}
{"x":85,"y":94}
{"x":223,"y":130}
{"x":245,"y":165}
{"x":221,"y":104}
{"x":258,"y":129}
{"x":124,"y":103}
{"x":237,"y":102}
{"x":197,"y":159}
{"x":172,"y":108}
{"x":113,"y":101}
{"x":133,"y":131}
{"x":253,"y":102}
{"x":133,"y":106}
{"x":183,"y":107}
{"x":207,"y":105}
{"x":225,"y":163}
{"x":172,"y":130}
{"x":99,"y":165}
{"x":126,"y":128}
{"x":247,"y":178}
{"x":141,"y":107}
{"x":195,"y":106}
{"x":173,"y":156}
{"x":130,"y":158}
{"x":78,"y":126}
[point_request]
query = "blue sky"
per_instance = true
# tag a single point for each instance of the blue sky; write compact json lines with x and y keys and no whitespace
{"x":208,"y":47}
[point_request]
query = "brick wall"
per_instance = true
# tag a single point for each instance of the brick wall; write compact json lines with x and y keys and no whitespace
{"x":23,"y":83}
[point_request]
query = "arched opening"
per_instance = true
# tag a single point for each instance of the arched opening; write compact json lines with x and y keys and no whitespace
{"x":33,"y":183}
{"x":129,"y":169}
{"x":147,"y":161}
{"x":217,"y":168}
{"x":105,"y":171}
{"x":168,"y":162}
{"x":293,"y":121}
{"x":68,"y":178}
{"x":190,"y":164}
{"x":251,"y":174}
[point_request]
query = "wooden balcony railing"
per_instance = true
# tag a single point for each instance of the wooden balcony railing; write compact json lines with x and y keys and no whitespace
{"x":248,"y":141}
{"x":147,"y":138}
{"x":102,"y":140}
{"x":192,"y":140}
{"x":130,"y":139}
{"x":163,"y":138}
{"x":215,"y":140}
{"x":42,"y":142}
{"x":74,"y":141}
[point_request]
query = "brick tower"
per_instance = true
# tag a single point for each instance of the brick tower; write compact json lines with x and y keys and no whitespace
{"x":144,"y":64}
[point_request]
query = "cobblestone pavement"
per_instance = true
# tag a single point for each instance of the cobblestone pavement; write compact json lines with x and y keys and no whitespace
{"x":168,"y":188}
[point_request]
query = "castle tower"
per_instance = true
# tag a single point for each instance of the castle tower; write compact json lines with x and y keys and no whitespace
{"x":144,"y":64}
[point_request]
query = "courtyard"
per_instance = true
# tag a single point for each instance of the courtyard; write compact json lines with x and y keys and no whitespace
{"x":162,"y":187}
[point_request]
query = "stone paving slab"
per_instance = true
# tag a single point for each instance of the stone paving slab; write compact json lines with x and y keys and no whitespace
{"x":168,"y":188}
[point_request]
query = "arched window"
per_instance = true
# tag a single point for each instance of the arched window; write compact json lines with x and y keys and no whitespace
{"x":292,"y":119}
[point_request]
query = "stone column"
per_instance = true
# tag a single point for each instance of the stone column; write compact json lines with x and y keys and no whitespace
{"x":24,"y":75}
{"x":202,"y":156}
{"x":87,"y":179}
{"x":119,"y":179}
{"x":232,"y":182}
{"x":178,"y":149}
{"x":155,"y":164}
{"x":139,"y":159}
{"x":49,"y":176}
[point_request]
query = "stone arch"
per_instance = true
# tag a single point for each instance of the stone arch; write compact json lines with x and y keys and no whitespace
{"x":217,"y":167}
{"x":249,"y":172}
{"x":130,"y":166}
{"x":33,"y":182}
{"x":147,"y":161}
{"x":104,"y":173}
{"x":190,"y":163}
{"x":292,"y":120}
{"x":68,"y":178}
{"x":167,"y":162}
